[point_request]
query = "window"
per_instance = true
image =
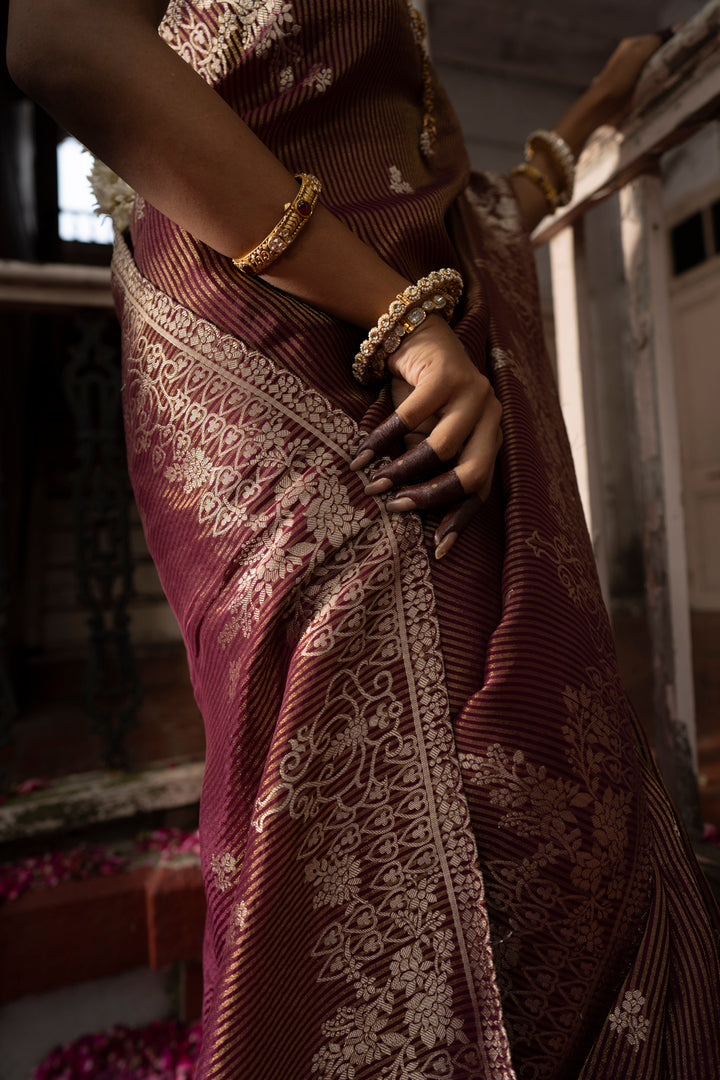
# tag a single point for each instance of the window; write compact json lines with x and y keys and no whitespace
{"x":696,"y":238}
{"x":688,"y":244}
{"x":77,"y":220}
{"x":715,"y":212}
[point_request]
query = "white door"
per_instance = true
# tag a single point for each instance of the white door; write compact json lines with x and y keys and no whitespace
{"x":695,"y":317}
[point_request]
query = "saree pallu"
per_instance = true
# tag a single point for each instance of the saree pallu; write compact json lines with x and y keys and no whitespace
{"x":405,"y":880}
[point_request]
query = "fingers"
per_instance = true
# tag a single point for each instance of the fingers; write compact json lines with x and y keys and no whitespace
{"x":461,"y":515}
{"x":385,"y":440}
{"x":464,"y":488}
{"x":476,"y":464}
{"x":440,"y":394}
{"x":476,"y":405}
{"x":472,"y":475}
{"x":443,"y":491}
{"x":446,"y":490}
{"x":419,"y":461}
{"x":475,"y":438}
{"x":418,"y":409}
{"x":453,"y":524}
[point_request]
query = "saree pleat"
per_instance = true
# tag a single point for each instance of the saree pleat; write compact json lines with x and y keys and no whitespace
{"x":434,"y":842}
{"x":357,"y":803}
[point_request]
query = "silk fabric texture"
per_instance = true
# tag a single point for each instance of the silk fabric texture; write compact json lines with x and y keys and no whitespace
{"x":434,"y":841}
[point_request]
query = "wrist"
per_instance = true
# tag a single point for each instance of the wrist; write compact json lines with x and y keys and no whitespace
{"x":436,"y":292}
{"x":404,"y":361}
{"x":592,"y":109}
{"x":331,"y":268}
{"x":600,"y":100}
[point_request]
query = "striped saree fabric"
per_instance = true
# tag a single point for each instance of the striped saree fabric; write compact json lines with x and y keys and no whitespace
{"x":434,"y":842}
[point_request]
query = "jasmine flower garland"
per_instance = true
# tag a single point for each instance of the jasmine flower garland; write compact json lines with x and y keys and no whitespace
{"x":113,"y":196}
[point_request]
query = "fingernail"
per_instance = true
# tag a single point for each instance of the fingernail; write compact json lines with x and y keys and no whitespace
{"x":398,"y":505}
{"x":445,"y":544}
{"x":378,"y":486}
{"x":363,"y":459}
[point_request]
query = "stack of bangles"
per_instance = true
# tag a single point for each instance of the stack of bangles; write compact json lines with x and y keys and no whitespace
{"x":563,"y":160}
{"x":438,"y":293}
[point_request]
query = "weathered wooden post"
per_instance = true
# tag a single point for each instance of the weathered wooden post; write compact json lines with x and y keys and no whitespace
{"x":660,"y":474}
{"x":576,"y":385}
{"x":679,"y":92}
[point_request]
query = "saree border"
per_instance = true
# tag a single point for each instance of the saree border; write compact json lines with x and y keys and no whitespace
{"x":210,"y":348}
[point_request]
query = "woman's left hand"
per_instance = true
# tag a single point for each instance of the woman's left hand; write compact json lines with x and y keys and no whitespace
{"x":447,"y":421}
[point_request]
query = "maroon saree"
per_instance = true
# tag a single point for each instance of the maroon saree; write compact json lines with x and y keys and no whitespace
{"x":435,"y":845}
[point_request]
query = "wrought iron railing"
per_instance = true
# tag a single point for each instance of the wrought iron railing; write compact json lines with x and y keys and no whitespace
{"x":101,"y":495}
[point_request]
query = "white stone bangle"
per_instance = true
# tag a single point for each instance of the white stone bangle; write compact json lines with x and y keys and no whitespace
{"x":438,"y":293}
{"x":561,"y":154}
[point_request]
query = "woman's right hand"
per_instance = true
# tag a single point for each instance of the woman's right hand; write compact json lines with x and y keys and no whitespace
{"x":440,"y":394}
{"x":616,"y":83}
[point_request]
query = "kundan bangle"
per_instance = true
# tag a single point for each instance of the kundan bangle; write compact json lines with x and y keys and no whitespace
{"x":561,"y":155}
{"x":295,"y":217}
{"x":438,"y":293}
{"x":533,"y":174}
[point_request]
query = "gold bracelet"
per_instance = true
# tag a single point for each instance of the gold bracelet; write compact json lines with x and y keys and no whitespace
{"x":533,"y":174}
{"x":438,"y":293}
{"x":295,"y":217}
{"x":561,"y":155}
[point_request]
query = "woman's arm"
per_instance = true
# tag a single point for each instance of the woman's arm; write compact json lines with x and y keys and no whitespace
{"x":606,"y":98}
{"x":101,"y":69}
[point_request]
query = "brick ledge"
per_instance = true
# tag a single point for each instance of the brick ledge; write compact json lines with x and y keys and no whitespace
{"x":83,"y":930}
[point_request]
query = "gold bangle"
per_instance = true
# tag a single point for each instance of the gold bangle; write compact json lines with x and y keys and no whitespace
{"x":438,"y":293}
{"x":538,"y":178}
{"x":561,"y":155}
{"x":295,"y":217}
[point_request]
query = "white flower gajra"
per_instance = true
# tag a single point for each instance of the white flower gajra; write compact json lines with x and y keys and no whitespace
{"x":113,"y":196}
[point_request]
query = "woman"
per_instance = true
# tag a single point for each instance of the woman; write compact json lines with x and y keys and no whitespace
{"x":434,"y":842}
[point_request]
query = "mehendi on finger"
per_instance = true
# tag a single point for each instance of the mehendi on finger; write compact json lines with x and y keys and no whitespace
{"x":442,"y":491}
{"x":385,"y":440}
{"x":458,"y":519}
{"x":412,"y":465}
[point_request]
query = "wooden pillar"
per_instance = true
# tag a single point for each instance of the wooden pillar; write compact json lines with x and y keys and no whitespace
{"x":660,"y":472}
{"x":576,"y":384}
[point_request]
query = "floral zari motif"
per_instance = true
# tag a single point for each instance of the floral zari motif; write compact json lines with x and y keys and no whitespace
{"x":537,"y":804}
{"x":206,"y":32}
{"x":370,"y":780}
{"x":630,"y":1019}
{"x":223,"y":867}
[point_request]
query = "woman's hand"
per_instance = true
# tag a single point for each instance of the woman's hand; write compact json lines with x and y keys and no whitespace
{"x":616,"y":82}
{"x":448,"y":420}
{"x":606,"y":101}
